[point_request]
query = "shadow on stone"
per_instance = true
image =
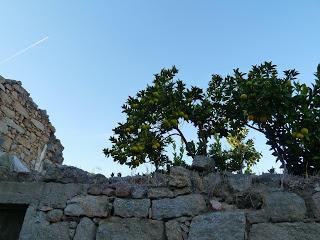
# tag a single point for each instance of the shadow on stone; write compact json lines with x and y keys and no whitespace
{"x":11,"y":219}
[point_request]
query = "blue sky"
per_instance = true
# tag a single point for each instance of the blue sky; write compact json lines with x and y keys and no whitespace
{"x":100,"y":52}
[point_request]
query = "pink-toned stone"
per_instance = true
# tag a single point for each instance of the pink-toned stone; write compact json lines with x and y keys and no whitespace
{"x":94,"y":190}
{"x":216,"y":205}
{"x":123,"y":191}
{"x":108,"y":191}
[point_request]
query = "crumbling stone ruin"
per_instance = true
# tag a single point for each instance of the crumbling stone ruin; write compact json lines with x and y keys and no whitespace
{"x":66,"y":203}
{"x":27,"y":139}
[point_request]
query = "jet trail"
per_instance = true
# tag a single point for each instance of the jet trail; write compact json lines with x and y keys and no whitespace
{"x":24,"y":50}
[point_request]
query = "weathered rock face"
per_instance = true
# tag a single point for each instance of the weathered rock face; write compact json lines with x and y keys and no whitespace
{"x":188,"y":205}
{"x":68,"y":203}
{"x":25,"y":130}
{"x":130,"y":228}
{"x":285,"y":231}
{"x":203,"y":163}
{"x":218,"y":225}
{"x":86,"y":229}
{"x":284,"y":206}
{"x":131,"y":207}
{"x":91,"y":206}
{"x":316,"y":204}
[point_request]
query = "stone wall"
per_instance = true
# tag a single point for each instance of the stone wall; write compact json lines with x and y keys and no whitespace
{"x":68,"y":203}
{"x":25,"y":130}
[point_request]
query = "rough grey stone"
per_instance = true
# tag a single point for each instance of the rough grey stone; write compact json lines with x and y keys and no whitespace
{"x":259,"y":216}
{"x":285,"y":231}
{"x":86,"y":230}
{"x":73,"y":224}
{"x":45,"y":208}
{"x":179,"y":181}
{"x":66,"y":174}
{"x":316,"y":187}
{"x":181,"y":191}
{"x":2,"y":87}
{"x":54,"y":215}
{"x":173,"y":230}
{"x":187,"y":205}
{"x":8,"y":176}
{"x":12,"y":163}
{"x":270,"y":179}
{"x":56,"y":195}
{"x":5,"y":142}
{"x":101,"y":189}
{"x":284,"y":206}
{"x":4,"y":130}
{"x":20,"y":192}
{"x":218,"y":226}
{"x":5,"y":98}
{"x":131,"y":207}
{"x":5,"y":160}
{"x":54,"y":231}
{"x":239,"y":182}
{"x":197,"y":182}
{"x":38,"y":124}
{"x":202,"y":162}
{"x":316,"y":204}
{"x":35,"y":227}
{"x":131,"y":228}
{"x":139,"y":192}
{"x":18,"y":165}
{"x":123,"y":190}
{"x":179,"y":177}
{"x":9,"y":122}
{"x":7,"y":111}
{"x":211,"y":182}
{"x":72,"y":233}
{"x":21,"y":110}
{"x":90,"y":206}
{"x":179,"y":171}
{"x":33,"y":221}
{"x":160,"y":192}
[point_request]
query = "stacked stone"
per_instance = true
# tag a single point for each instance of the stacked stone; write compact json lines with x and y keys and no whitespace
{"x":184,"y":204}
{"x":25,"y":130}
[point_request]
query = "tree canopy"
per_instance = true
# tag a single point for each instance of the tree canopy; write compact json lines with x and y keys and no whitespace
{"x":281,"y":108}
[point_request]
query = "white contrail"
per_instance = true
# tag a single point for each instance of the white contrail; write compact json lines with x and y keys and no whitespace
{"x":24,"y":50}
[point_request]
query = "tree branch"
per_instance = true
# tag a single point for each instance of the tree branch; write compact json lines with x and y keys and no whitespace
{"x":185,"y":141}
{"x":172,"y":134}
{"x":257,"y":129}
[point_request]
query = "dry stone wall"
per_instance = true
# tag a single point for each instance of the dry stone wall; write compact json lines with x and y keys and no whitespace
{"x":68,"y":203}
{"x":26,"y":133}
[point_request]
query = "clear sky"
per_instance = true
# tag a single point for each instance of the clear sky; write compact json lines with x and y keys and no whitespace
{"x":100,"y":52}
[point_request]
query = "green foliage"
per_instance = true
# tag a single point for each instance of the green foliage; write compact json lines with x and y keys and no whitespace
{"x":241,"y":156}
{"x":155,"y":114}
{"x":151,"y":117}
{"x":286,"y":112}
{"x":178,"y":154}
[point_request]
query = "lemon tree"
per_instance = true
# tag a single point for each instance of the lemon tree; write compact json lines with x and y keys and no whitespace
{"x":151,"y":116}
{"x":286,"y":112}
{"x":155,"y":115}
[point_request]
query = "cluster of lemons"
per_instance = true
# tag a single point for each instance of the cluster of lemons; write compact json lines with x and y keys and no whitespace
{"x":129,"y":129}
{"x":137,"y":148}
{"x":300,"y":135}
{"x":156,"y":145}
